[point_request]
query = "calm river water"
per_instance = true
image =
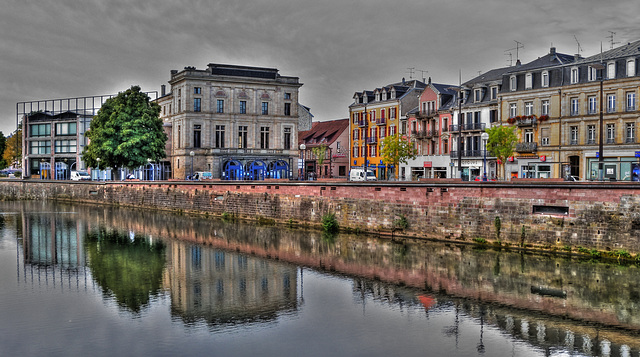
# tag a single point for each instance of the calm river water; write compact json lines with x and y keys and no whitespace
{"x":90,"y":281}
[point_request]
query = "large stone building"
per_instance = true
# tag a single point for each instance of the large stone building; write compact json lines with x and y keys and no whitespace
{"x":556,"y":103}
{"x":235,"y":122}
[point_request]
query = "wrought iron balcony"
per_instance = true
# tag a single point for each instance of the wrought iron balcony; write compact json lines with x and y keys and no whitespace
{"x":526,"y":147}
{"x":468,"y":127}
{"x":381,"y":121}
{"x":372,"y":140}
{"x":427,"y":113}
{"x":362,"y":123}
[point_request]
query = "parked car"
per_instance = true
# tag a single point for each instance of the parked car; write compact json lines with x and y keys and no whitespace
{"x":357,"y":174}
{"x":80,"y":176}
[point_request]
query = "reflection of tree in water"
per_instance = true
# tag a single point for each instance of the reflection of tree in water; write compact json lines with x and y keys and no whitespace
{"x":126,"y":266}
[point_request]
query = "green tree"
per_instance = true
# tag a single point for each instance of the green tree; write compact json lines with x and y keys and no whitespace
{"x":396,"y":149}
{"x":129,"y":269}
{"x":12,"y":153}
{"x":126,"y":132}
{"x":3,"y":145}
{"x":501,"y":143}
{"x":319,"y":152}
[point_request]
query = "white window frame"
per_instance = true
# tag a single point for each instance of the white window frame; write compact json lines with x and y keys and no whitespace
{"x":575,"y":75}
{"x":611,"y":133}
{"x":630,"y":132}
{"x":574,"y":135}
{"x":494,"y":93}
{"x":631,"y":67}
{"x":544,"y":80}
{"x":528,"y":108}
{"x":611,"y":70}
{"x":593,"y":74}
{"x":631,"y":101}
{"x":575,"y":106}
{"x":593,"y":104}
{"x":528,"y":81}
{"x":591,"y":134}
{"x":545,"y":107}
{"x":513,"y":83}
{"x":513,"y":110}
{"x":611,"y":103}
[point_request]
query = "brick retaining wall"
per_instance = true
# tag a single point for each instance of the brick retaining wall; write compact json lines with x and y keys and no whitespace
{"x":553,"y":214}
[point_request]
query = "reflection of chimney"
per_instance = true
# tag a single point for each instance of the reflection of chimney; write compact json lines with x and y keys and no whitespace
{"x":163,"y":90}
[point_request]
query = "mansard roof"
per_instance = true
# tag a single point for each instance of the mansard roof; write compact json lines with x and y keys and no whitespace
{"x":400,"y":89}
{"x":551,"y":59}
{"x":631,"y":49}
{"x":494,"y":75}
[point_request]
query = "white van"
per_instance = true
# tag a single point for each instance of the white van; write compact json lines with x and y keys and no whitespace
{"x":357,"y":174}
{"x":80,"y":176}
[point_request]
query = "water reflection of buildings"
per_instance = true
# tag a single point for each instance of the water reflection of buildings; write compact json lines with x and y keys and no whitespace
{"x":53,"y":250}
{"x":548,"y":334}
{"x":222,"y":287}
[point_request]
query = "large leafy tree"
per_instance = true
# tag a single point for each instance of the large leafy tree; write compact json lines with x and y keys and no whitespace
{"x":320,"y":153}
{"x":501,"y":143}
{"x":397,"y":149}
{"x":126,"y":132}
{"x":12,"y":153}
{"x":3,"y":145}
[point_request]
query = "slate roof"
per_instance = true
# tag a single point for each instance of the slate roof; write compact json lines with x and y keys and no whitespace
{"x":551,"y":59}
{"x":323,"y":132}
{"x":631,"y":49}
{"x":489,"y":76}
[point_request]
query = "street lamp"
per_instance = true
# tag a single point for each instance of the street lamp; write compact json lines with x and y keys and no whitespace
{"x":303,"y":149}
{"x":484,"y":137}
{"x":600,"y":67}
{"x":98,"y":160}
{"x":459,"y":91}
{"x":152,"y":168}
{"x":192,"y":154}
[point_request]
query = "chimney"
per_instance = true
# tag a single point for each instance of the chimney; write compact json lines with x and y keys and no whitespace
{"x":576,"y":57}
{"x":163,"y":90}
{"x":552,"y":51}
{"x":402,"y":80}
{"x":429,"y":80}
{"x":518,"y":63}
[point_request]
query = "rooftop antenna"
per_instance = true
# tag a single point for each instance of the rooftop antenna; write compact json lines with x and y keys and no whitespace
{"x":578,"y":42}
{"x":422,"y":72}
{"x":510,"y":58}
{"x":411,"y":71}
{"x":610,"y":37}
{"x":519,"y":45}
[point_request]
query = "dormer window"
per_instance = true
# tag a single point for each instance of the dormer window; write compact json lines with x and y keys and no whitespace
{"x":377,"y":96}
{"x":611,"y":70}
{"x":528,"y":81}
{"x":544,"y":80}
{"x":513,"y":83}
{"x":494,"y":93}
{"x":631,"y":67}
{"x":593,"y":74}
{"x":477,"y":95}
{"x":574,"y":75}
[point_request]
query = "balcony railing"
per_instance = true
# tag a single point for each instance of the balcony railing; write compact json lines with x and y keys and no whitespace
{"x":630,"y":139}
{"x":526,"y":147}
{"x":468,"y":127}
{"x":362,"y":123}
{"x":469,"y":153}
{"x":372,"y":140}
{"x":381,"y":121}
{"x":420,"y":134}
{"x":427,"y":113}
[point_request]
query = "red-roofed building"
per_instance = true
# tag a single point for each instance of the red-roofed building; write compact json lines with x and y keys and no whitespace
{"x":325,"y":149}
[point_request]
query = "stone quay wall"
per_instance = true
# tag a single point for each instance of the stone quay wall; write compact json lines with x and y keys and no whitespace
{"x":603,"y":216}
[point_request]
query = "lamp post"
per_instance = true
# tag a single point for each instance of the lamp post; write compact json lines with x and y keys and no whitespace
{"x":484,"y":137}
{"x":366,"y":148}
{"x":459,"y":91}
{"x":192,"y":154}
{"x":98,"y":160}
{"x":152,"y":169}
{"x":600,"y":66}
{"x":303,"y":149}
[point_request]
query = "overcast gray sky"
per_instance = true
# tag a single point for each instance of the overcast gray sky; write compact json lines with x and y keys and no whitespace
{"x":70,"y":48}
